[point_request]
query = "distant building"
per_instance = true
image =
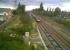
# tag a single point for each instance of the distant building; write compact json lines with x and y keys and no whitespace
{"x":1,"y":17}
{"x":66,"y":14}
{"x":5,"y":13}
{"x":8,"y":14}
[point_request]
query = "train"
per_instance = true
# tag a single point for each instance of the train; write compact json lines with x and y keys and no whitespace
{"x":38,"y":20}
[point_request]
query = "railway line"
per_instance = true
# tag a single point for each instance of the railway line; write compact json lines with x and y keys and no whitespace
{"x":60,"y":37}
{"x":55,"y":34}
{"x":53,"y":43}
{"x":56,"y":41}
{"x":64,"y":29}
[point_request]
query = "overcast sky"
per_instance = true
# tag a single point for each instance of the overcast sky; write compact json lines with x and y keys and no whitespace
{"x":31,"y":4}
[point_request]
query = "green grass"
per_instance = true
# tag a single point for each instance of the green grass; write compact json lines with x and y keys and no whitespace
{"x":18,"y":26}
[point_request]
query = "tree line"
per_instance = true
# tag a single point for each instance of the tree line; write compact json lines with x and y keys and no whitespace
{"x":48,"y":12}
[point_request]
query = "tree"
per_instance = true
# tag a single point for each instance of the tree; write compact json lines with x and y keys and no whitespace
{"x":20,"y":9}
{"x":41,"y":7}
{"x":27,"y":23}
{"x":57,"y":11}
{"x":19,"y":5}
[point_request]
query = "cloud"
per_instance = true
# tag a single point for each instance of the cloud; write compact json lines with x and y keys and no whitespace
{"x":32,"y":4}
{"x":30,"y":7}
{"x":65,"y":6}
{"x":65,"y":0}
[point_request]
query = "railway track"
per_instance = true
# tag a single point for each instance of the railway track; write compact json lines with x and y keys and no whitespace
{"x":65,"y":30}
{"x":57,"y":41}
{"x":53,"y":32}
{"x":52,"y":41}
{"x":45,"y":38}
{"x":63,"y":42}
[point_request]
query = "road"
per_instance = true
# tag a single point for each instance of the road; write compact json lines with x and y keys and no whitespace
{"x":52,"y":39}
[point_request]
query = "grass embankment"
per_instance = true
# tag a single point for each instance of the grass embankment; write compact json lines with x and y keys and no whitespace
{"x":61,"y":20}
{"x":56,"y":21}
{"x":11,"y":36}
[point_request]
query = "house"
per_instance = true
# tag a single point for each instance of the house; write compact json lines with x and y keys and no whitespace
{"x":66,"y":14}
{"x":5,"y":13}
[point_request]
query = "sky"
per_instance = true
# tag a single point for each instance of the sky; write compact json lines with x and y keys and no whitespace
{"x":32,"y":4}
